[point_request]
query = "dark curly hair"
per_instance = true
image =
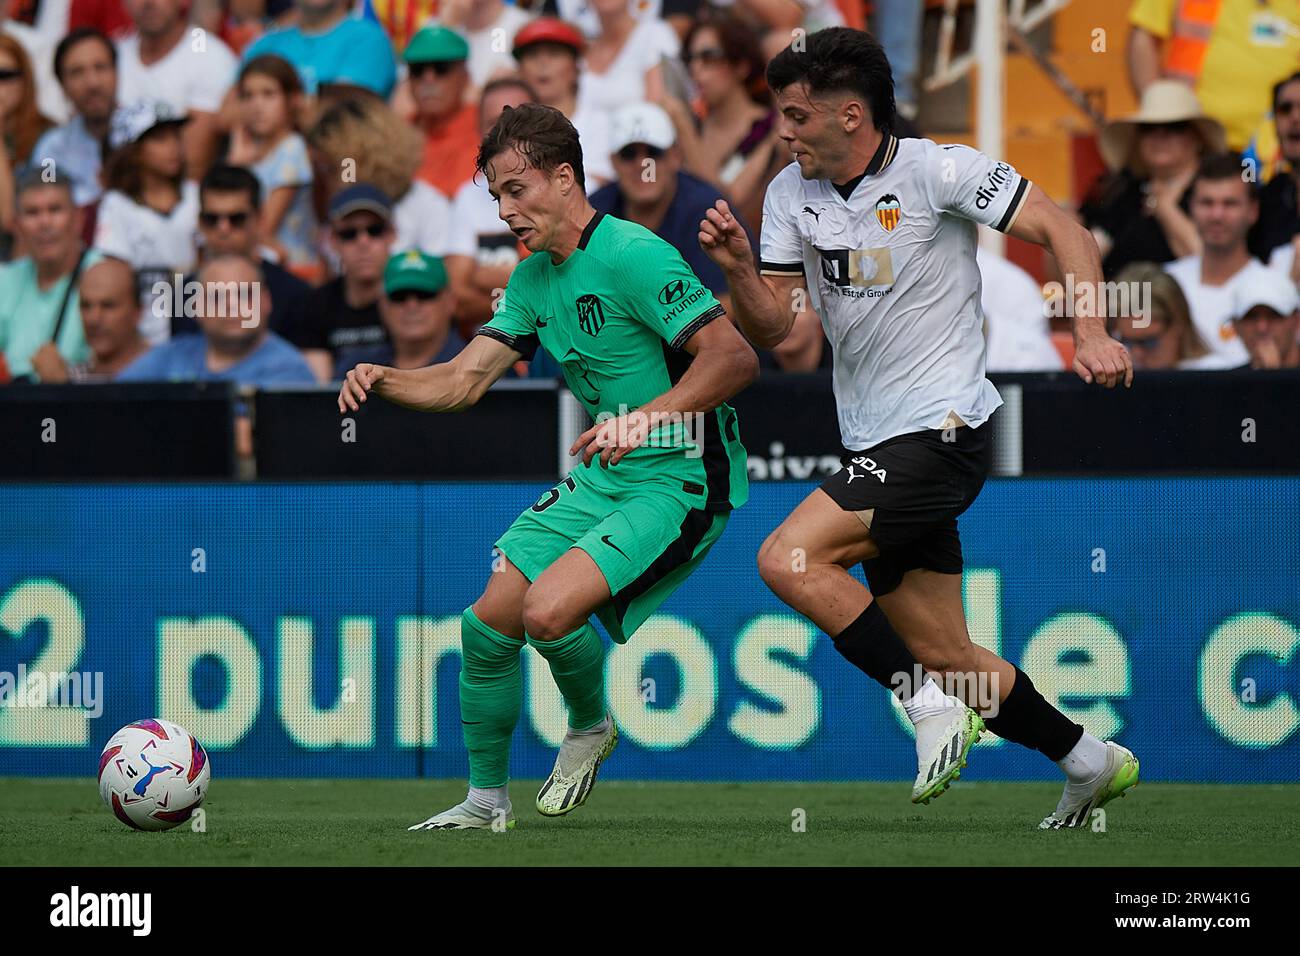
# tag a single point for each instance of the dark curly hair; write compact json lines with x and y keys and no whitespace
{"x":542,"y":134}
{"x":839,"y":59}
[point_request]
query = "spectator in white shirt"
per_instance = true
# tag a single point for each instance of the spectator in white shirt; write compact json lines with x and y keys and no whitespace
{"x":1016,"y":326}
{"x":149,"y":214}
{"x":1224,"y":207}
{"x":187,"y":66}
{"x":623,"y":62}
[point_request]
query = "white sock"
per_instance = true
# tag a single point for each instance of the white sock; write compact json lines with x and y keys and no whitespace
{"x":1086,"y":761}
{"x":489,"y":798}
{"x":600,"y":728}
{"x":929,"y":701}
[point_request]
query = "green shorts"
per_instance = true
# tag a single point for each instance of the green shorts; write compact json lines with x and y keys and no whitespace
{"x":645,"y":541}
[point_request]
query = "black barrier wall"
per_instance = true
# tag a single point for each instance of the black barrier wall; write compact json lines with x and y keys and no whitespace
{"x":1240,"y":422}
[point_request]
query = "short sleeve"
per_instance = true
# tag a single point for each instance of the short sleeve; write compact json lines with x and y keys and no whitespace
{"x":513,"y":322}
{"x":964,"y":182}
{"x":780,"y":247}
{"x":662,"y":292}
{"x":212,"y":72}
{"x":462,"y":240}
{"x":290,"y":165}
{"x":111,"y":234}
{"x":1154,"y":16}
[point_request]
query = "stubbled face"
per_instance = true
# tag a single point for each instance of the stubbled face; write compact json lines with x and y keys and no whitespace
{"x":1153,"y":344}
{"x":1262,"y":326}
{"x":1165,"y":147}
{"x":263,"y":105}
{"x":160,"y":151}
{"x":48,"y":223}
{"x":646,"y":174}
{"x":110,"y":307}
{"x":813,"y":129}
{"x":90,"y":80}
{"x":438,"y":88}
{"x":1287,"y":116}
{"x":1223,"y":213}
{"x":530,"y":202}
{"x":228,"y":223}
{"x":551,"y":69}
{"x":362,"y":240}
{"x":415,"y":316}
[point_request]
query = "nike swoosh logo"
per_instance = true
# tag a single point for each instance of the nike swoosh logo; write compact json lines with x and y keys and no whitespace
{"x":542,"y":323}
{"x":605,"y":538}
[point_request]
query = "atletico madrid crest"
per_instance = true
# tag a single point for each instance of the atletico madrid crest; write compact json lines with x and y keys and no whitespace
{"x":888,"y":211}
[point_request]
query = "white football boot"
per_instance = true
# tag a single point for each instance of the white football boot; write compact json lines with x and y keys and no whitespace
{"x":1079,"y":800}
{"x":467,"y":816}
{"x":574,"y":774}
{"x":942,"y":744}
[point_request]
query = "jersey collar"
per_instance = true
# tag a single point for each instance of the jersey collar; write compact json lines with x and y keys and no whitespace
{"x":591,"y":227}
{"x":884,"y":155}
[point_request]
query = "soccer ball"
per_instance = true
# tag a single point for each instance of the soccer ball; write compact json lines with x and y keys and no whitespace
{"x":153,"y":774}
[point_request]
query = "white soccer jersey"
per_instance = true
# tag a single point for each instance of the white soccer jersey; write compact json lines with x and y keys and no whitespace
{"x":892,"y":273}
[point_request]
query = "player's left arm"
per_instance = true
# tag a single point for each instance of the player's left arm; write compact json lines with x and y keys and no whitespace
{"x":1097,"y":356}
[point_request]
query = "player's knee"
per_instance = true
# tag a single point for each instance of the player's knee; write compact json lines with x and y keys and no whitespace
{"x":776,"y":563}
{"x":545,"y":617}
{"x":482,"y":651}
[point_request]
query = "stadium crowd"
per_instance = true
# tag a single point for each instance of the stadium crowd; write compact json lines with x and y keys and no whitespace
{"x":322,"y":153}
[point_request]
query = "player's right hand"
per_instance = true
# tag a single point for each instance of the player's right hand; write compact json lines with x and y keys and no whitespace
{"x":358,"y":382}
{"x":723,"y":239}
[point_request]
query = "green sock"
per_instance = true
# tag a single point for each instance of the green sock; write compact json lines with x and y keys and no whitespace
{"x":578,"y":665}
{"x":491,"y":696}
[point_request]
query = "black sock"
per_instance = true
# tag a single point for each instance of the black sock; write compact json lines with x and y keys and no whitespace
{"x":872,"y":645}
{"x":1026,"y":718}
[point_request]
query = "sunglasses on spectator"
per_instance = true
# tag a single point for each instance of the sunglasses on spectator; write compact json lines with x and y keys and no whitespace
{"x":374,"y":231}
{"x":406,"y":295}
{"x":1182,"y":126}
{"x":638,"y":150}
{"x":237,"y":220}
{"x":439,"y":67}
{"x":709,"y":55}
{"x":6,"y":75}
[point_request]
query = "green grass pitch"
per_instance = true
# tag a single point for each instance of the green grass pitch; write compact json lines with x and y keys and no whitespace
{"x":51,"y":822}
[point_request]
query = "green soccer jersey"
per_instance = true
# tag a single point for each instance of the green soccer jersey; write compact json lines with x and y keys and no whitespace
{"x":615,"y":315}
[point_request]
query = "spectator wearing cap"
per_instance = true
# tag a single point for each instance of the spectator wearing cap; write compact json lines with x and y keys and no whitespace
{"x":372,"y":141}
{"x":329,"y":46}
{"x":85,"y":63}
{"x":491,"y":250}
{"x":1279,"y":216}
{"x":1224,"y":208}
{"x":162,"y":60}
{"x":489,"y":27}
{"x":439,"y":79}
{"x":38,"y":298}
{"x":234,"y":345}
{"x":416,"y":309}
{"x":229,"y":204}
{"x":651,"y":188}
{"x":1138,"y":212}
{"x":1157,"y":328}
{"x":150,"y":211}
{"x":548,"y":51}
{"x":1265,"y":315}
{"x":1230,"y":52}
{"x":110,"y":319}
{"x":344,"y":312}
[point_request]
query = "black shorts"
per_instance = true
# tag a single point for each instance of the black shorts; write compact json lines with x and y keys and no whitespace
{"x":913,"y":487}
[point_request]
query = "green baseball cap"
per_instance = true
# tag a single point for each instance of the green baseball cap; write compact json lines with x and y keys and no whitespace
{"x":436,"y":45}
{"x":414,"y":270}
